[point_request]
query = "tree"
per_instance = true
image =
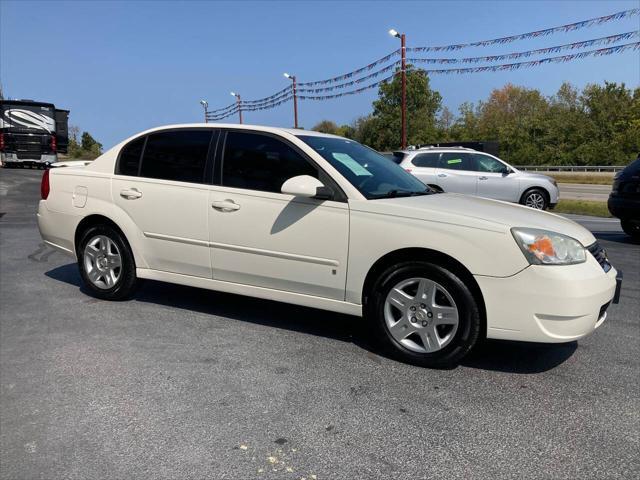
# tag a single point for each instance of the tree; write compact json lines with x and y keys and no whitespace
{"x":422,"y":106}
{"x":445,"y":122}
{"x":326,"y":126}
{"x":598,"y":126}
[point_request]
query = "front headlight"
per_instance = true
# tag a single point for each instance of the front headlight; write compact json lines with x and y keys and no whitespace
{"x":542,"y":247}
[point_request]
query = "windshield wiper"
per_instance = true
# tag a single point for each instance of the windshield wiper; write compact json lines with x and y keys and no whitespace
{"x":400,"y":193}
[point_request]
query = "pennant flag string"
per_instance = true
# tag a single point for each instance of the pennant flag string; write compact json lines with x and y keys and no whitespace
{"x":271,"y":97}
{"x":342,"y":94}
{"x":221,"y":110}
{"x":534,"y":63}
{"x":355,"y":73}
{"x":353,"y":82}
{"x":248,"y":109}
{"x":539,"y":33}
{"x":563,"y":28}
{"x":540,"y":51}
{"x":492,"y":68}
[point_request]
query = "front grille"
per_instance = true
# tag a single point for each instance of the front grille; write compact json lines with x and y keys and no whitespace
{"x":600,"y":255}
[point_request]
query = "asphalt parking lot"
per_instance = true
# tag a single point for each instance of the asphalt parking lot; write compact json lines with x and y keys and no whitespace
{"x":186,"y":383}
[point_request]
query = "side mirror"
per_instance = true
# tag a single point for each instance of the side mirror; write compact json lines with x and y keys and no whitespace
{"x":506,"y":171}
{"x":306,"y":186}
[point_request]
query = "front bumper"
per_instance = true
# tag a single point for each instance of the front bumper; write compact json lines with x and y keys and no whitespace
{"x":550,"y":304}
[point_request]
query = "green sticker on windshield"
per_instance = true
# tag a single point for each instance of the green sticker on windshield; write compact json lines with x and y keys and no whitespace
{"x":351,"y":164}
{"x":454,"y":161}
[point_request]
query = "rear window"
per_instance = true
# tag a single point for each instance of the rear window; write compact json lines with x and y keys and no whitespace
{"x":129,"y":161}
{"x":397,"y":157}
{"x":179,"y":155}
{"x":426,"y":160}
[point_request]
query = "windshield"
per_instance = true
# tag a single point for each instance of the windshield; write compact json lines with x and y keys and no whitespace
{"x":372,"y":174}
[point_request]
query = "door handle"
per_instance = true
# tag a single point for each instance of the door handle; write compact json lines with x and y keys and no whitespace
{"x":483,"y":178}
{"x":225,"y":205}
{"x":130,"y":194}
{"x":442,"y":174}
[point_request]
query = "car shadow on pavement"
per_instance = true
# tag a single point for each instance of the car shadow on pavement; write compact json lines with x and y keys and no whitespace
{"x":502,"y":356}
{"x":519,"y":357}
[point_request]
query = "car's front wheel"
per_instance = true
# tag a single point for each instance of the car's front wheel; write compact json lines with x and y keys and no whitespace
{"x":424,"y":314}
{"x":535,"y":198}
{"x":106,"y":263}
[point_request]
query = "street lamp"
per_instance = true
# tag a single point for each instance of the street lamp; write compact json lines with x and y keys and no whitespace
{"x":403,"y":70}
{"x":205,"y":105}
{"x":295,"y":99}
{"x":237,"y":95}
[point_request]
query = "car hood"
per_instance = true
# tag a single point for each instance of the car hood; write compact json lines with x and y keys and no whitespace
{"x":475,"y":212}
{"x":534,"y":176}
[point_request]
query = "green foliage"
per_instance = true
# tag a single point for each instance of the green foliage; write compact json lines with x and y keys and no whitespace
{"x":87,"y":148}
{"x":384,"y":126}
{"x":598,"y":126}
{"x":327,"y":126}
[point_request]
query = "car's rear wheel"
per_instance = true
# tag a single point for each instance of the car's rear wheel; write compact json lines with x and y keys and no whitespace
{"x":631,"y":228}
{"x":424,"y":314}
{"x":106,"y":263}
{"x":535,"y":198}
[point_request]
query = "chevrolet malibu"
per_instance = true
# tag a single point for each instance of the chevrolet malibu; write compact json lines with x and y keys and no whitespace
{"x":322,"y":221}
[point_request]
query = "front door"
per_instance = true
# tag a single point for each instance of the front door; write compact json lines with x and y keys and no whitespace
{"x":264,"y":238}
{"x":494,"y":181}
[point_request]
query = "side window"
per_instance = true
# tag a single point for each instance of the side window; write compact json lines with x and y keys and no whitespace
{"x":486,"y":163}
{"x":429,"y":160}
{"x":129,"y":160}
{"x":179,"y":155}
{"x":260,"y":162}
{"x":457,"y":161}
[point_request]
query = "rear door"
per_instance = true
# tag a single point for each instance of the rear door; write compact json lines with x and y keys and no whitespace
{"x":457,"y":173}
{"x":166,"y":195}
{"x":424,"y":166}
{"x":494,"y":181}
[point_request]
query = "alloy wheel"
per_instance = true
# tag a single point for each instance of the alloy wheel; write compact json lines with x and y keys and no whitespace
{"x":421,"y":315}
{"x":102,"y":262}
{"x":535,"y":200}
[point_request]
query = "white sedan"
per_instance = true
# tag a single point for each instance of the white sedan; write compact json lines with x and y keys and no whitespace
{"x":322,"y":221}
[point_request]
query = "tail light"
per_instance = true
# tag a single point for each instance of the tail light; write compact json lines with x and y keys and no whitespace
{"x":1,"y":142}
{"x":44,"y":185}
{"x":54,"y":144}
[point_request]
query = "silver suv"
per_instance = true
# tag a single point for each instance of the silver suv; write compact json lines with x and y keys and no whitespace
{"x":464,"y":170}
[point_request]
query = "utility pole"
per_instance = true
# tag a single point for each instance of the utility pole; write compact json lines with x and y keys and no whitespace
{"x":295,"y":98}
{"x":403,"y":72}
{"x":237,"y":95}
{"x":205,"y":105}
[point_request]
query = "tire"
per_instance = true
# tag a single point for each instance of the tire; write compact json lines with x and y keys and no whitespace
{"x":106,"y":263}
{"x":631,"y":228}
{"x":417,"y":337}
{"x":537,"y":198}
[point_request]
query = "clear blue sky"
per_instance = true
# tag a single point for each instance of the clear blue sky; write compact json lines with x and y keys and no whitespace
{"x":121,"y":67}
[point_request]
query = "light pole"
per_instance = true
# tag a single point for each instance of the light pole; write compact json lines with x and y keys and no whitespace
{"x":205,"y":105}
{"x":403,"y":70}
{"x":237,"y":95}
{"x":295,"y":99}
